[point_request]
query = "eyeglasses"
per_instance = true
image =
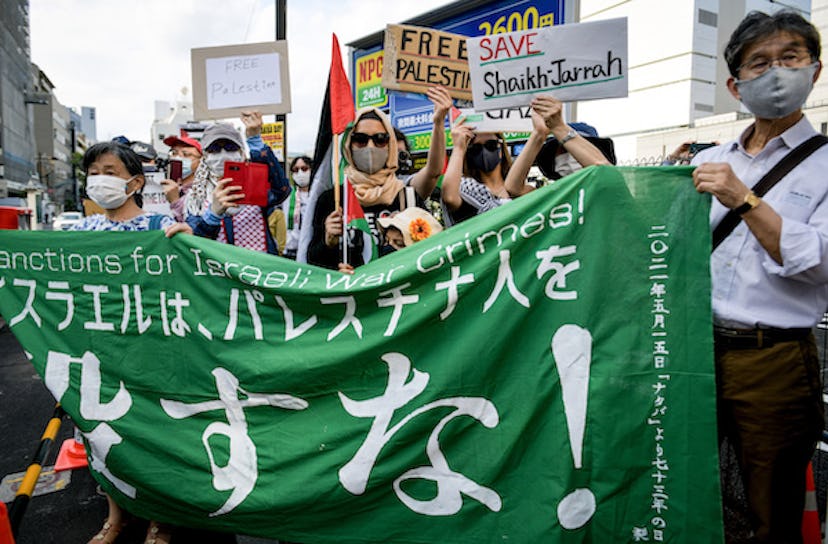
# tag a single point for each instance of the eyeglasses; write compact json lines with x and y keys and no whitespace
{"x":790,"y":59}
{"x":489,"y":145}
{"x":297,"y":168}
{"x":380,"y":139}
{"x":225,"y":145}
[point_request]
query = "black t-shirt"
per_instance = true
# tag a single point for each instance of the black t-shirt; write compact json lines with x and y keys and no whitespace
{"x":330,"y":257}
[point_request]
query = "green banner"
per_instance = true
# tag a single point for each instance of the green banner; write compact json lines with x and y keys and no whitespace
{"x":541,"y":373}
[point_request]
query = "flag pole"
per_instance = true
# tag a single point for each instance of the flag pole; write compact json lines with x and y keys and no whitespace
{"x":335,"y":171}
{"x":345,"y":216}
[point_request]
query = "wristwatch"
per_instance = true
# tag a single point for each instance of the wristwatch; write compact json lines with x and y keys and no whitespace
{"x":569,"y":135}
{"x":751,"y":201}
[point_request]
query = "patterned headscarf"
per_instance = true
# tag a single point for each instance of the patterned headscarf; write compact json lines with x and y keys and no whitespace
{"x":201,"y":193}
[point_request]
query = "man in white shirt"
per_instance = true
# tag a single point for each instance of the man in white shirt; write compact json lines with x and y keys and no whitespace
{"x":770,"y":275}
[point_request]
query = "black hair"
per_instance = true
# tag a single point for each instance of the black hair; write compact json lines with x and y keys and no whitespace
{"x":757,"y":25}
{"x":370,"y":114}
{"x":131,"y":161}
{"x":304,"y":158}
{"x":400,"y":135}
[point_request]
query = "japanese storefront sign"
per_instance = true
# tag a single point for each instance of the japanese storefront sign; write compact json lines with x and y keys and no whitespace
{"x":417,"y":58}
{"x":540,"y":373}
{"x":581,"y":61}
{"x":234,"y":78}
{"x":273,"y":134}
{"x":369,"y":89}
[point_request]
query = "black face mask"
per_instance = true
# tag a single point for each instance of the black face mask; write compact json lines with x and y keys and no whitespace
{"x":404,"y":163}
{"x":484,"y":159}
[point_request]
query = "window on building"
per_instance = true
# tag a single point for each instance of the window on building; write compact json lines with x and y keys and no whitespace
{"x":708,"y":18}
{"x":703,"y":107}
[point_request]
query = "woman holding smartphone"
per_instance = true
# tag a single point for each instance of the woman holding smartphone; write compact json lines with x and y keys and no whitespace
{"x":212,"y":206}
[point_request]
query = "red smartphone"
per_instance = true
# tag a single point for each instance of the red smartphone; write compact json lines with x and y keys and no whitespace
{"x":174,"y":170}
{"x":252,"y":177}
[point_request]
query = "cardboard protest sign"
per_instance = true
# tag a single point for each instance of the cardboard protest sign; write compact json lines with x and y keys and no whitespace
{"x":230,"y":79}
{"x":154,"y":198}
{"x":416,"y":58}
{"x":499,"y":381}
{"x":581,"y":61}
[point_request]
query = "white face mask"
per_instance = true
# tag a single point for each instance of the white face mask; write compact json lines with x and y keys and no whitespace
{"x":108,"y":192}
{"x":215,"y":161}
{"x":301,"y":178}
{"x":565,"y":164}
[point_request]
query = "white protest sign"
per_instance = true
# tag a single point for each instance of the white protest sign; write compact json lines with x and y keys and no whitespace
{"x":230,"y":79}
{"x":240,"y":81}
{"x":506,"y":120}
{"x":579,"y":61}
{"x":153,"y":194}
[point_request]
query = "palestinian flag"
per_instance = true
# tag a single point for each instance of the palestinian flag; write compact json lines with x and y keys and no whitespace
{"x":336,"y":115}
{"x":358,"y":231}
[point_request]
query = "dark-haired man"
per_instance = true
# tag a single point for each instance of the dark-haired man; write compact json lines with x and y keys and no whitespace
{"x":770,"y":274}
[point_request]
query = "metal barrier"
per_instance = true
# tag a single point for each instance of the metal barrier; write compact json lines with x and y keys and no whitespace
{"x":27,"y":486}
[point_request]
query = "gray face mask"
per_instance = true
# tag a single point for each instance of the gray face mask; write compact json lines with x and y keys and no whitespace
{"x":778,"y":92}
{"x":369,"y":159}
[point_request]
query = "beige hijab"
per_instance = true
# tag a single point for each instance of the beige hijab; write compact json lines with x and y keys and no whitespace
{"x":382,"y":186}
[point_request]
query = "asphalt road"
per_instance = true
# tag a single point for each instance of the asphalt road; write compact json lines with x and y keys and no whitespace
{"x":76,"y":513}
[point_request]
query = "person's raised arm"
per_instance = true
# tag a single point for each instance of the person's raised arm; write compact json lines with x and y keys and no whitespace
{"x":581,"y":149}
{"x":261,"y":153}
{"x":252,"y":123}
{"x":426,"y":179}
{"x":461,"y":136}
{"x":543,"y":117}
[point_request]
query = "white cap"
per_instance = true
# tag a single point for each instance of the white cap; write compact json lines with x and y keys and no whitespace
{"x":414,"y":223}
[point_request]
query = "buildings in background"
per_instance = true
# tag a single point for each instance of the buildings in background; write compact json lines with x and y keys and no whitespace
{"x":38,"y":135}
{"x":677,"y":74}
{"x":87,"y":123}
{"x":53,"y":145}
{"x":174,"y":119}
{"x":17,"y":146}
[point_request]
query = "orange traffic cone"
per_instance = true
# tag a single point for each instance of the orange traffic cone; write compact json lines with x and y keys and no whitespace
{"x":72,"y":454}
{"x":6,"y":536}
{"x":811,"y":533}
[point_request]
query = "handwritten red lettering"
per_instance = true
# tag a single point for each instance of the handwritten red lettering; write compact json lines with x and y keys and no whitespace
{"x":508,"y":47}
{"x":486,"y":44}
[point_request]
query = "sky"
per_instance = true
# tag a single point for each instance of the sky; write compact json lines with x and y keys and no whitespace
{"x":120,"y":56}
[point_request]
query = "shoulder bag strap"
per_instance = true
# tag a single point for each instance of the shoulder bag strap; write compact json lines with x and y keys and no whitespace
{"x":779,"y":171}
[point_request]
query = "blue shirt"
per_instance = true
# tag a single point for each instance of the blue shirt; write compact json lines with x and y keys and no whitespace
{"x":749,"y":288}
{"x":100,"y":222}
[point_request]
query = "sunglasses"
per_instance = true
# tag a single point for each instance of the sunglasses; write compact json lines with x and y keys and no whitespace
{"x":380,"y":139}
{"x":297,"y":168}
{"x":215,"y":147}
{"x":489,"y":145}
